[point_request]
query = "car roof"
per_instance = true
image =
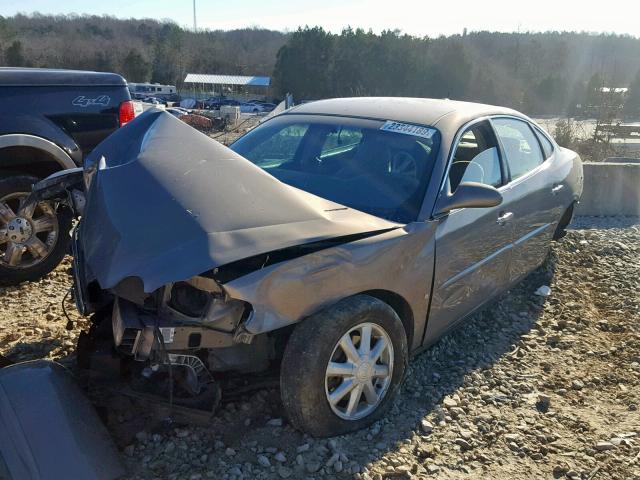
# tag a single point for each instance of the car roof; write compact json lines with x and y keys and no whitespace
{"x":423,"y":111}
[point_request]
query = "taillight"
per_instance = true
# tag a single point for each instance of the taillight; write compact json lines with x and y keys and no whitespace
{"x":126,"y":112}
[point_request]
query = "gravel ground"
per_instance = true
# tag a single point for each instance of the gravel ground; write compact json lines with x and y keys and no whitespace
{"x":533,"y":387}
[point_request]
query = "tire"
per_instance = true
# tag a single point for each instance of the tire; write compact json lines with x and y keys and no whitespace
{"x":314,"y":342}
{"x":56,"y":244}
{"x":565,"y":220}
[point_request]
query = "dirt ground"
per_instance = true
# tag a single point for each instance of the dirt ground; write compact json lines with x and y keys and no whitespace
{"x":533,"y":387}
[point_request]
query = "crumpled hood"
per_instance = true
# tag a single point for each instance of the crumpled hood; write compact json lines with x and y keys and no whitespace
{"x":166,"y":203}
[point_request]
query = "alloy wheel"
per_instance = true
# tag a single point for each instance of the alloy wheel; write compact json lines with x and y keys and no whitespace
{"x":28,"y":232}
{"x":359,"y":371}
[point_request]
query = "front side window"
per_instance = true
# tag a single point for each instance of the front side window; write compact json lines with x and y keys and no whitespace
{"x":520,"y":145}
{"x":476,"y":158}
{"x":362,"y":164}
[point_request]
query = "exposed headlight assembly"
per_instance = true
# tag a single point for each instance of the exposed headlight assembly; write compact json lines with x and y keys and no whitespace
{"x":189,"y":300}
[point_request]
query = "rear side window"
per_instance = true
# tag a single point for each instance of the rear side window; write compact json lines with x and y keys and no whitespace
{"x":547,"y":146}
{"x":520,"y":145}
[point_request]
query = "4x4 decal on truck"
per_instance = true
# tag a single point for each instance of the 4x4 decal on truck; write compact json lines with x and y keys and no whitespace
{"x":83,"y":101}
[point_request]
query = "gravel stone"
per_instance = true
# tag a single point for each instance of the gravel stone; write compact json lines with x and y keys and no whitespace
{"x":284,"y":472}
{"x":426,"y":426}
{"x":449,"y":402}
{"x":313,"y":466}
{"x":264,"y":461}
{"x":604,"y":446}
{"x":577,"y":385}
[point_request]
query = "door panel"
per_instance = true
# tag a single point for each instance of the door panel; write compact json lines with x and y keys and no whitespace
{"x":534,"y":191}
{"x":473,"y":245}
{"x":533,"y":224}
{"x":472,"y":264}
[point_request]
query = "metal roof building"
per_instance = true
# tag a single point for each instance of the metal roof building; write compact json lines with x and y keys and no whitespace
{"x":239,"y":80}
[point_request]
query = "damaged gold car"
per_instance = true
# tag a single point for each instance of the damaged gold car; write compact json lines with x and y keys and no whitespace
{"x":331,"y":243}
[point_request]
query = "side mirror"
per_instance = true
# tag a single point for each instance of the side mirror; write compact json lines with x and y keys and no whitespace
{"x":469,"y":195}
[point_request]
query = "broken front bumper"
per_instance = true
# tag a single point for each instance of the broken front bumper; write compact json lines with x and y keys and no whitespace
{"x":135,"y":332}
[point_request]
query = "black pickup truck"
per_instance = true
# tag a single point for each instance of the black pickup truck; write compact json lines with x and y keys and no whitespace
{"x":50,"y":120}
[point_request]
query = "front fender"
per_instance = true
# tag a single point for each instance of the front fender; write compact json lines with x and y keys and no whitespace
{"x":399,"y":261}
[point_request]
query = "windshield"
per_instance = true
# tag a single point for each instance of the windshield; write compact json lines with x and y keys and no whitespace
{"x":378,"y":167}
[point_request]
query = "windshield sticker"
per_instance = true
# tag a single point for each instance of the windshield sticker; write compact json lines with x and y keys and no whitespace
{"x":408,"y":129}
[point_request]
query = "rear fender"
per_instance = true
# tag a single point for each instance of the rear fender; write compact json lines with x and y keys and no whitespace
{"x":67,"y":155}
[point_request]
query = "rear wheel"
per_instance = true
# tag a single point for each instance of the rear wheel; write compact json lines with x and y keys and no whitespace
{"x":33,"y":238}
{"x":343,"y":366}
{"x":565,"y":220}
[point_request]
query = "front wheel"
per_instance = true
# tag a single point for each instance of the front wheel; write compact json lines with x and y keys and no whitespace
{"x":33,"y":238}
{"x":343,"y":366}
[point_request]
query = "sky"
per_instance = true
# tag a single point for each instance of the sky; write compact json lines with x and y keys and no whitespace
{"x":415,"y":17}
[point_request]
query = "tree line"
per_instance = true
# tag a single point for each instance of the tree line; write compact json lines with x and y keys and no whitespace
{"x":142,"y":50}
{"x":538,"y":73}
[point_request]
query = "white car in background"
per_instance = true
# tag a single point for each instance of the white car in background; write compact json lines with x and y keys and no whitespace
{"x":250,"y":107}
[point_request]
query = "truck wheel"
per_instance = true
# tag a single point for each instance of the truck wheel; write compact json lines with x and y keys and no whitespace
{"x":343,"y":366}
{"x":33,"y":240}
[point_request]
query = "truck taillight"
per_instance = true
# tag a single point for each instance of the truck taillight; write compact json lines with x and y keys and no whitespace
{"x":126,"y":112}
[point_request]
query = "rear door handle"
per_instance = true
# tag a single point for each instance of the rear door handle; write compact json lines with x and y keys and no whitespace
{"x":555,"y":190}
{"x":504,"y":218}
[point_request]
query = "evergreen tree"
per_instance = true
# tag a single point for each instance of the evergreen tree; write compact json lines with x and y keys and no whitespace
{"x":304,"y":66}
{"x":592,"y":94}
{"x":14,"y":55}
{"x":135,"y":68}
{"x":632,"y":102}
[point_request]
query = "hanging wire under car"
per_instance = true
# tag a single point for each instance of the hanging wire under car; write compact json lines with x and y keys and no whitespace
{"x":69,"y":325}
{"x":160,"y":339}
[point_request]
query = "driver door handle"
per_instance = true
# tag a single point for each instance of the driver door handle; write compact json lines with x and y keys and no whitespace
{"x":555,"y":190}
{"x":504,"y":218}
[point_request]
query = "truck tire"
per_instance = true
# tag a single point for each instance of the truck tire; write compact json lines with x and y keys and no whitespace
{"x":32,"y":243}
{"x":330,"y":380}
